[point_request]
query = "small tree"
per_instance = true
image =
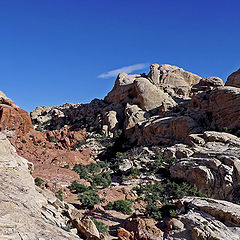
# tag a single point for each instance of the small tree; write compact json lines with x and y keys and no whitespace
{"x":89,"y":199}
{"x":38,"y":181}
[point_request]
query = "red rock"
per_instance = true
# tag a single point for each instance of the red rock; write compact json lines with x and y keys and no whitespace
{"x":123,"y":234}
{"x":14,"y":120}
{"x":143,"y":228}
{"x":48,"y":151}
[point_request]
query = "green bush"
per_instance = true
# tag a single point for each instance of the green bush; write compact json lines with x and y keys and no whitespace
{"x":134,"y":172}
{"x":153,"y":211}
{"x":82,"y":171}
{"x":59,"y":194}
{"x":159,"y":160}
{"x":79,"y":144}
{"x":160,"y":212}
{"x":88,"y":199}
{"x":159,"y":197}
{"x":77,"y":187}
{"x":89,"y":173}
{"x":103,"y":180}
{"x":101,"y":227}
{"x":123,"y":206}
{"x":38,"y":181}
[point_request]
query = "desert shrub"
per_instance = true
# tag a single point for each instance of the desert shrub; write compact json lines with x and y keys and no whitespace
{"x":88,"y":199}
{"x":66,"y":166}
{"x":134,"y":172}
{"x":123,"y":206}
{"x":79,"y":144}
{"x":101,"y":227}
{"x":82,"y":171}
{"x":160,"y":212}
{"x":159,"y":160}
{"x":77,"y":187}
{"x":153,"y":211}
{"x":103,"y":180}
{"x":159,"y":197}
{"x":179,"y":190}
{"x":88,"y":173}
{"x":59,"y":194}
{"x":38,"y":181}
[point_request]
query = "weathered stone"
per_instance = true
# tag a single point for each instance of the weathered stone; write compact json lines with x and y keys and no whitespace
{"x":218,"y":109}
{"x":234,"y":79}
{"x":206,"y":84}
{"x":143,"y":228}
{"x":165,"y":131}
{"x":137,"y":90}
{"x":175,"y":76}
{"x":22,"y":216}
{"x":154,"y":74}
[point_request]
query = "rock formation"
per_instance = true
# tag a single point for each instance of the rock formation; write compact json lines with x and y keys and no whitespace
{"x":22,"y":207}
{"x":169,"y":129}
{"x":234,"y":79}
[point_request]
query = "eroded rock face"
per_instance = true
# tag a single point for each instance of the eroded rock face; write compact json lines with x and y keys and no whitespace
{"x":143,"y":229}
{"x":212,"y":164}
{"x":158,"y":130}
{"x":137,"y":90}
{"x":234,"y":79}
{"x":13,"y":121}
{"x":148,"y":97}
{"x":206,"y":84}
{"x":21,"y":205}
{"x":217,"y":109}
{"x":170,"y":108}
{"x":211,"y":219}
{"x":75,"y":115}
{"x":49,"y":151}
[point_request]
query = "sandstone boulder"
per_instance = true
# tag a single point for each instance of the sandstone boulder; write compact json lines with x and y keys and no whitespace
{"x":213,"y":165}
{"x":134,"y":89}
{"x":13,"y":120}
{"x":211,"y":219}
{"x":172,"y":75}
{"x":234,"y":79}
{"x":206,"y":84}
{"x":217,"y":109}
{"x":148,"y":96}
{"x":167,"y":130}
{"x":143,"y":228}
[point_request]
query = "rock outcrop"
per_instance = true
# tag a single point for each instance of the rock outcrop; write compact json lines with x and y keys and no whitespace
{"x":140,"y":228}
{"x":211,"y":164}
{"x":22,"y":207}
{"x":217,"y":109}
{"x":49,"y":151}
{"x":211,"y":219}
{"x":137,"y":90}
{"x":14,"y":120}
{"x":234,"y":79}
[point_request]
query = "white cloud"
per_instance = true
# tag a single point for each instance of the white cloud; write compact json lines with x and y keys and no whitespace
{"x":126,"y":69}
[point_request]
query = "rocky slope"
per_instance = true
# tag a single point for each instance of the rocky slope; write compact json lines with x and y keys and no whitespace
{"x":23,"y":209}
{"x":162,"y":148}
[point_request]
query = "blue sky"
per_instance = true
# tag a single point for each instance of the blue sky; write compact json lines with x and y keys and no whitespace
{"x":57,"y":51}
